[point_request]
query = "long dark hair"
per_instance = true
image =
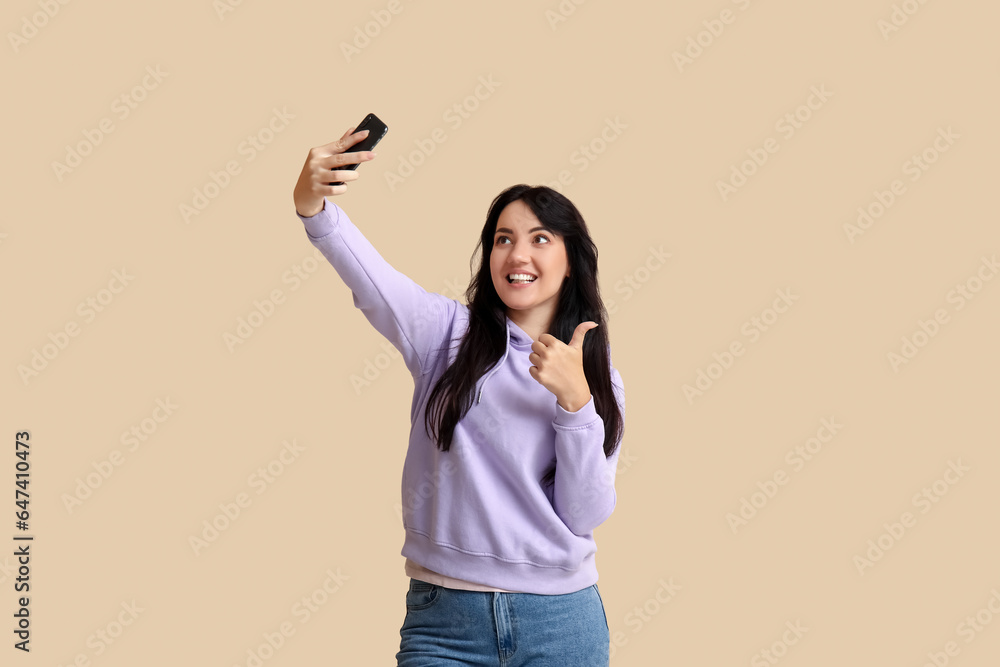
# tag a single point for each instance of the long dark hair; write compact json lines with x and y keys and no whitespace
{"x":484,"y":342}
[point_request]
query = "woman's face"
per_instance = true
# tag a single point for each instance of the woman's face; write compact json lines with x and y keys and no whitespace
{"x":520,"y":245}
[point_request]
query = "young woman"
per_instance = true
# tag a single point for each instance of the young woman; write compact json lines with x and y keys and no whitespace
{"x":517,"y":418}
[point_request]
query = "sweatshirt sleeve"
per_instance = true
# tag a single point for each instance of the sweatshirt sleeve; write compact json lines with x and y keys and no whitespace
{"x":414,"y":320}
{"x":584,"y":494}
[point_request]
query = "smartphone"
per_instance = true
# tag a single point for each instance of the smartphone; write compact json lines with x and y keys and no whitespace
{"x":376,"y":130}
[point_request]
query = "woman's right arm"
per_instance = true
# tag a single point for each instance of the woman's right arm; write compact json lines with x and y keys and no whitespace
{"x":414,"y":320}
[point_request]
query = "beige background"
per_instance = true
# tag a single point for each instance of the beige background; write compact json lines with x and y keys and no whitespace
{"x":686,"y":464}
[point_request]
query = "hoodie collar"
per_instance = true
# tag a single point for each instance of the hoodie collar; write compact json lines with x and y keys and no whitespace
{"x":516,"y":337}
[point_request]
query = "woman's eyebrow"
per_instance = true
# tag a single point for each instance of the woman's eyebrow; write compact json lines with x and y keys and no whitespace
{"x":511,"y":231}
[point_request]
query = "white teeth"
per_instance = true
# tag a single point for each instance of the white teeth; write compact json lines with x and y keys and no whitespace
{"x":520,"y":278}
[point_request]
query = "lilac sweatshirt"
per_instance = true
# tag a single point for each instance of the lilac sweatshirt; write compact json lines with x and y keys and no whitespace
{"x":479,"y":512}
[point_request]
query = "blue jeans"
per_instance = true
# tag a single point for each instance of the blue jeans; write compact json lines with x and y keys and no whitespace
{"x":447,"y":626}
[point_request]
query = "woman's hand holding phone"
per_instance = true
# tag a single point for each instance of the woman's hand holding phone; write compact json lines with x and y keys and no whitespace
{"x":315,"y":180}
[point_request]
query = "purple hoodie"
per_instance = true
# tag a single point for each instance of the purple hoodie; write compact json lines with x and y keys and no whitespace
{"x":479,"y":512}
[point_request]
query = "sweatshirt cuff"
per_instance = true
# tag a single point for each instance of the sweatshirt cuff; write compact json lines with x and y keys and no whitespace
{"x":582,"y":417}
{"x":321,"y":224}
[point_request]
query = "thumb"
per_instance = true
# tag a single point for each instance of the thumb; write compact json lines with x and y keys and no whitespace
{"x":579,"y":333}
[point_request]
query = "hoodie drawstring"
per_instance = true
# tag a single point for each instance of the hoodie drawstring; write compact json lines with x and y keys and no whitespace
{"x":506,"y":349}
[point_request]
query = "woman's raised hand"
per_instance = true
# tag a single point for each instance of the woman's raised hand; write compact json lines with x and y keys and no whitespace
{"x":313,"y":182}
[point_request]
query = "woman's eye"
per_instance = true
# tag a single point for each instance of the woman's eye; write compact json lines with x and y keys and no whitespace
{"x":539,"y":236}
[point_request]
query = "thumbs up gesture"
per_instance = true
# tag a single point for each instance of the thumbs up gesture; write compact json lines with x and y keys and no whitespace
{"x":559,"y":367}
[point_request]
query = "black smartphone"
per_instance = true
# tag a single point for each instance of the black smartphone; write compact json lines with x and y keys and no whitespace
{"x":376,"y":130}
